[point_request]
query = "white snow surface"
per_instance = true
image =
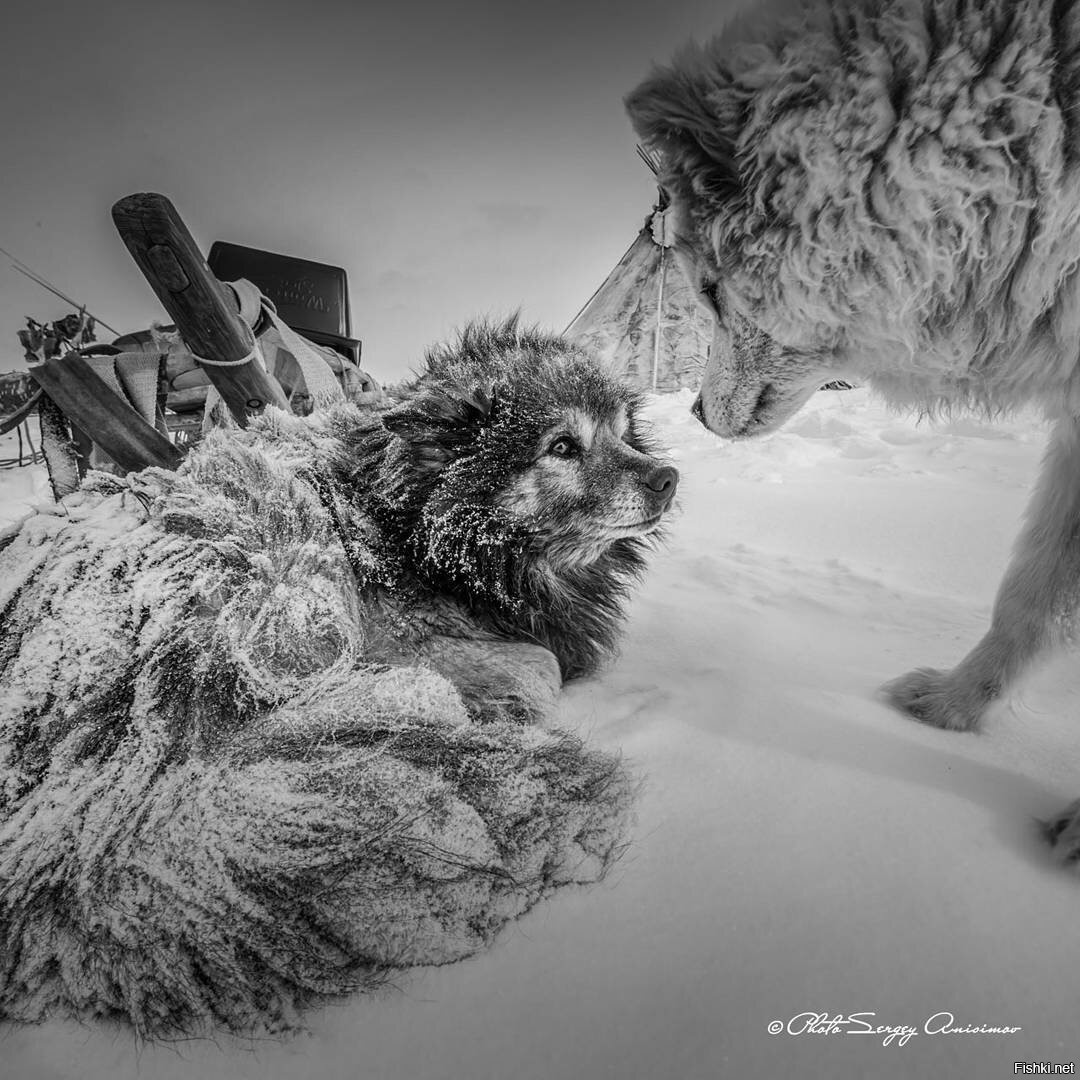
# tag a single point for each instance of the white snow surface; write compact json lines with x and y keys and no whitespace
{"x":21,"y":489}
{"x":800,"y":847}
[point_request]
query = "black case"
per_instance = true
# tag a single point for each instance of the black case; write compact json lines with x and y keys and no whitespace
{"x":311,"y":297}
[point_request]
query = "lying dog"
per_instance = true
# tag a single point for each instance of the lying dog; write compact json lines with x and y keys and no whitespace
{"x":889,"y":191}
{"x":261,"y":719}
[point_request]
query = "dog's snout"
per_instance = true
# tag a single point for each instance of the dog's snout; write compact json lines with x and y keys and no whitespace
{"x":697,"y":410}
{"x":662,"y":482}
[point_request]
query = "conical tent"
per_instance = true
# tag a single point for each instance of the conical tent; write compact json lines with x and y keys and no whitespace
{"x":645,"y":322}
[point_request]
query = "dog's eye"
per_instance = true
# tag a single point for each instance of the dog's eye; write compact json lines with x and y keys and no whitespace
{"x":564,"y":446}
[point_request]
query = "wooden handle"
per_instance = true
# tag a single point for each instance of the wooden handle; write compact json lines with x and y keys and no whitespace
{"x":203,"y":308}
{"x":117,"y":428}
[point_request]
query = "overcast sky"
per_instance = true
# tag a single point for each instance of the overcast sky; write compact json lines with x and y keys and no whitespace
{"x":456,"y":159}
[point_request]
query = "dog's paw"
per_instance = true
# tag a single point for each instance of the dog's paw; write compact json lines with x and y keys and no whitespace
{"x":932,"y":697}
{"x":1063,"y":832}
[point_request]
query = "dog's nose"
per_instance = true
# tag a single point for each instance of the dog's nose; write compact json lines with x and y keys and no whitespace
{"x":697,"y":410}
{"x":663,"y":482}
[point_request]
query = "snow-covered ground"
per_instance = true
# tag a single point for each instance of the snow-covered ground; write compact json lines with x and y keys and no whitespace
{"x":801,"y":849}
{"x":20,"y":488}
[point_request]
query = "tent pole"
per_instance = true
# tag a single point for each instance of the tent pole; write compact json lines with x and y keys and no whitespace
{"x":659,"y":316}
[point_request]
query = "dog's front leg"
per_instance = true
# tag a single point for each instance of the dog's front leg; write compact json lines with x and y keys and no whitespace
{"x":1037,"y":603}
{"x":498,"y":680}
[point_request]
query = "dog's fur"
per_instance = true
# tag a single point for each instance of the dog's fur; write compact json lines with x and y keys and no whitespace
{"x":889,"y":191}
{"x":538,"y":546}
{"x":261,"y":719}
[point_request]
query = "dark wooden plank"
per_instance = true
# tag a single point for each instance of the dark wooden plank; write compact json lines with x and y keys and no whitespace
{"x":115,"y":426}
{"x":203,"y":308}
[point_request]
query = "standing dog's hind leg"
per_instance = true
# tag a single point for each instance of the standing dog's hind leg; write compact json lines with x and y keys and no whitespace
{"x":1036,"y":605}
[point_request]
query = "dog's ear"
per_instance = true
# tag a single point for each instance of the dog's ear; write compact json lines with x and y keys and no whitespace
{"x":439,"y":422}
{"x":680,"y":111}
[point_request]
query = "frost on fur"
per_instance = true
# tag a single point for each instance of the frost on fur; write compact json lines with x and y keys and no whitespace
{"x":884,"y":190}
{"x":261,"y":720}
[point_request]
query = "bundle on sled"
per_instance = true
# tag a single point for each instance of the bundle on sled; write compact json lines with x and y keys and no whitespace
{"x":237,"y":346}
{"x":273,"y":724}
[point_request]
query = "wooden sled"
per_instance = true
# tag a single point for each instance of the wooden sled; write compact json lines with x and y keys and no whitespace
{"x":19,"y":397}
{"x":106,"y":405}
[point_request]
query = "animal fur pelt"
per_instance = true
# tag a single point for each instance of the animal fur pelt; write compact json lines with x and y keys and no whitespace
{"x":269,"y":725}
{"x":889,"y":191}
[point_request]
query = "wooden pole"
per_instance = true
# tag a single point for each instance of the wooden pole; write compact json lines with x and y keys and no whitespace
{"x":657,"y":340}
{"x":203,"y":308}
{"x":117,"y":428}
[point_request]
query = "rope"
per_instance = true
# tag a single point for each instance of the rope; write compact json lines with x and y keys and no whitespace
{"x":251,"y":303}
{"x":229,"y":363}
{"x":319,"y":379}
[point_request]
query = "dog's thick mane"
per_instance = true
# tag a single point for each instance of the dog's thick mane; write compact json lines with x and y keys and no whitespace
{"x":427,"y":474}
{"x":893,"y":183}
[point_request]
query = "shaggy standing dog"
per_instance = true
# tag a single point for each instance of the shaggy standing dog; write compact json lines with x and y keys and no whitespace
{"x":889,"y":191}
{"x":261,"y":719}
